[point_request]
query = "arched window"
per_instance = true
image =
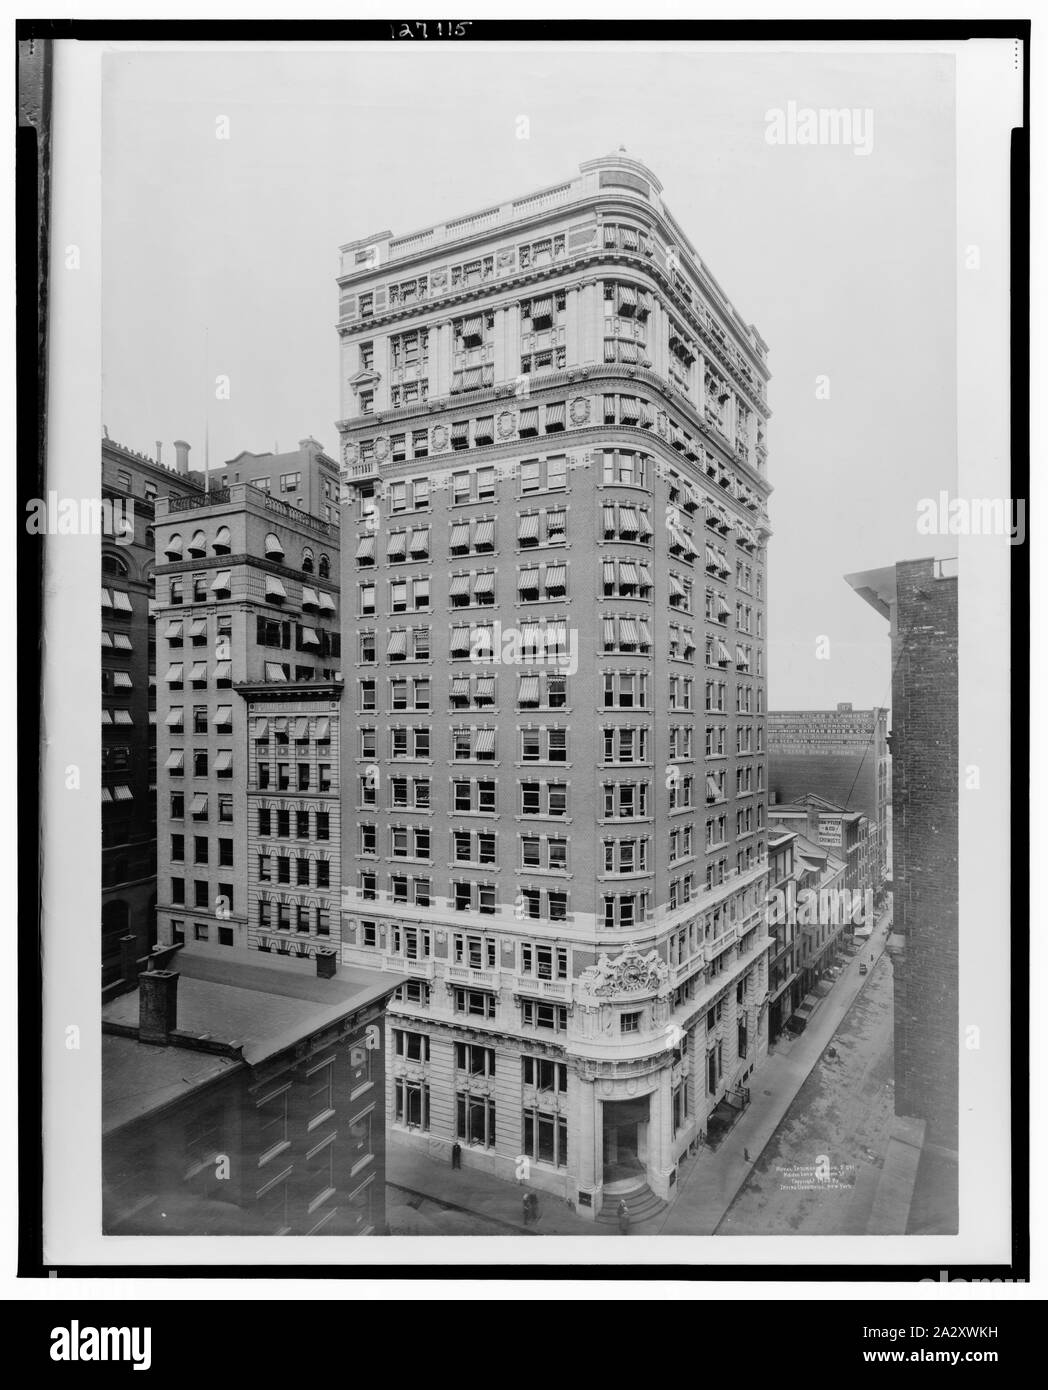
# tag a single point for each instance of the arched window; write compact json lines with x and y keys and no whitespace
{"x":324,"y":569}
{"x":112,"y":564}
{"x":307,"y":561}
{"x":173,"y":547}
{"x":222,"y":542}
{"x":198,"y":545}
{"x":274,"y":546}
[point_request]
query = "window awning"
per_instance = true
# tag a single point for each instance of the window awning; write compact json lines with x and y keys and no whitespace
{"x":723,"y":655}
{"x":628,"y":524}
{"x":485,"y":687}
{"x":221,"y":544}
{"x":198,"y":627}
{"x":460,"y":687}
{"x":107,"y":598}
{"x":274,"y":671}
{"x":528,"y":581}
{"x":301,"y":728}
{"x":275,"y":588}
{"x":628,"y":634}
{"x":542,"y":308}
{"x":676,"y":587}
{"x":309,"y":597}
{"x":198,"y":545}
{"x":121,"y":602}
{"x":220,"y":583}
{"x":485,"y":533}
{"x":198,"y":806}
{"x":323,"y":729}
{"x":198,"y":671}
{"x":473,"y":327}
{"x":107,"y":718}
{"x":555,"y":576}
{"x":420,"y":541}
{"x":327,"y":603}
{"x":176,"y":759}
{"x":310,"y":637}
{"x":274,"y":546}
{"x":122,"y":680}
{"x":473,"y":377}
{"x":555,"y":415}
{"x":123,"y":793}
{"x":529,"y":420}
{"x":260,"y":727}
{"x":459,"y":585}
{"x":398,"y":644}
{"x":627,"y":573}
{"x":173,"y":548}
{"x":529,"y":634}
{"x":741,"y":659}
{"x":645,"y":576}
{"x":529,"y":690}
{"x":223,"y":716}
{"x":712,"y":790}
{"x":645,"y":633}
{"x":366,"y":548}
{"x":174,"y":629}
{"x":627,"y":294}
{"x":460,"y":639}
{"x":484,"y":583}
{"x":711,"y":559}
{"x":556,"y":633}
{"x":528,"y":529}
{"x":485,"y":741}
{"x":645,"y":524}
{"x":609,"y":572}
{"x":724,"y":608}
{"x":175,"y":717}
{"x":223,"y":670}
{"x":396,"y":545}
{"x":107,"y":796}
{"x":107,"y":641}
{"x":460,"y":536}
{"x":174,"y":673}
{"x":630,"y":408}
{"x":647,"y":414}
{"x":484,"y":429}
{"x":609,"y":407}
{"x":460,"y":432}
{"x":628,"y":351}
{"x":152,"y":716}
{"x":224,"y":760}
{"x":122,"y":716}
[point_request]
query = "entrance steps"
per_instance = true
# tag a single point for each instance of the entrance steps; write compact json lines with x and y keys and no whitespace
{"x":642,"y":1202}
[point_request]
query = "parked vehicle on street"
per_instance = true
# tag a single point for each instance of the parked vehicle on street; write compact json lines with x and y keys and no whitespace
{"x":864,"y":968}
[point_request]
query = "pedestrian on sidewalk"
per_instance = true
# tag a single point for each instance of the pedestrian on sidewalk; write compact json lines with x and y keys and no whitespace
{"x":624,"y":1218}
{"x":533,"y":1203}
{"x":527,"y":1208}
{"x":456,"y":1155}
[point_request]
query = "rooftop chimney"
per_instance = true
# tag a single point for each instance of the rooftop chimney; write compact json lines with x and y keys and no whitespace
{"x":159,"y":450}
{"x":129,"y":958}
{"x":157,"y":1006}
{"x":813,"y":824}
{"x":181,"y":456}
{"x":327,"y":963}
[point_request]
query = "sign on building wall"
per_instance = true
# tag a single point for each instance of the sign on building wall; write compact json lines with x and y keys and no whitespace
{"x":831,"y":832}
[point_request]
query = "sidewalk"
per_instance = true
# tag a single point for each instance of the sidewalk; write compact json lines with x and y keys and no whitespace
{"x":710,"y":1181}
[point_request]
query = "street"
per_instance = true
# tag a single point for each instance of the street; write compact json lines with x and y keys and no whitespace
{"x":837,"y":1126}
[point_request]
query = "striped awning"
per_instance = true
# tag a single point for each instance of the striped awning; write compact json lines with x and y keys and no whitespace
{"x":309,"y":636}
{"x":741,"y":659}
{"x":223,"y":670}
{"x":485,"y":687}
{"x":174,"y":673}
{"x":107,"y":795}
{"x":472,"y":378}
{"x":327,"y":603}
{"x":460,"y":432}
{"x":122,"y":716}
{"x":628,"y":523}
{"x":529,"y":420}
{"x":484,"y":583}
{"x":556,"y":633}
{"x":484,"y":534}
{"x":123,"y":793}
{"x":676,"y":587}
{"x":609,"y":572}
{"x":198,"y":627}
{"x":460,"y":688}
{"x":628,"y":634}
{"x":198,"y":545}
{"x":398,"y":644}
{"x":107,"y":718}
{"x":121,"y":601}
{"x":174,"y":629}
{"x":712,"y":790}
{"x":460,"y":639}
{"x":175,"y":759}
{"x":322,"y":731}
{"x":645,"y":633}
{"x":175,"y":717}
{"x":555,"y":415}
{"x":711,"y":559}
{"x":647,"y":414}
{"x":198,"y":671}
{"x":645,"y":524}
{"x":484,"y":429}
{"x":460,"y":536}
{"x":275,"y":588}
{"x":723,"y":655}
{"x":396,"y":546}
{"x":274,"y":671}
{"x":198,"y":806}
{"x":627,"y":294}
{"x":528,"y":530}
{"x":107,"y":599}
{"x":459,"y":585}
{"x":220,"y":583}
{"x":528,"y":581}
{"x":310,"y":598}
{"x":107,"y":641}
{"x":366,"y":548}
{"x":609,"y":632}
{"x":556,"y":577}
{"x":173,"y":547}
{"x":725,"y":608}
{"x":485,"y":741}
{"x":528,"y":693}
{"x":610,"y":524}
{"x":630,"y":238}
{"x":628,"y":351}
{"x":420,"y":541}
{"x":222,"y":540}
{"x":274,"y":546}
{"x":473,"y":327}
{"x":529,"y":634}
{"x":630,"y":408}
{"x":224,"y":761}
{"x":627,"y":573}
{"x":543,"y":307}
{"x":645,"y":576}
{"x":260,"y":727}
{"x":301,"y":728}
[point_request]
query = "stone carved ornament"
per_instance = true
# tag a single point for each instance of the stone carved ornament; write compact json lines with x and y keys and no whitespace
{"x":629,"y":973}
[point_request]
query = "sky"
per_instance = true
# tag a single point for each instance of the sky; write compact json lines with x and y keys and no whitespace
{"x":220,"y":257}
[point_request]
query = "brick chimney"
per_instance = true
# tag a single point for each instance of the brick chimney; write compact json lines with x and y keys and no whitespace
{"x":157,"y":1005}
{"x":327,"y":964}
{"x":129,"y":958}
{"x":181,"y":456}
{"x":159,"y":450}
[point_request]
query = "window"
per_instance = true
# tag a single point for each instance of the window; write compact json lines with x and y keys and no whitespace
{"x":537,"y":1013}
{"x":475,"y":1060}
{"x":476,"y":1003}
{"x":475,"y":1120}
{"x":629,"y":1023}
{"x":545,"y":1137}
{"x":414,"y":1047}
{"x":411,"y":1100}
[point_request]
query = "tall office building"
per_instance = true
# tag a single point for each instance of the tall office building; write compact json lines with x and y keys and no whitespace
{"x":131,"y":485}
{"x":249,"y":692}
{"x":554,"y":590}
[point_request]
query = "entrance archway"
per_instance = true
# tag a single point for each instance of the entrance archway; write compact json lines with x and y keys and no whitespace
{"x":625,"y":1139}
